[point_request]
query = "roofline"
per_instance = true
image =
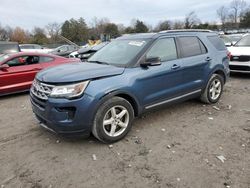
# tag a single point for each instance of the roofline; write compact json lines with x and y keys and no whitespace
{"x":33,"y":54}
{"x":186,"y":30}
{"x":29,"y":44}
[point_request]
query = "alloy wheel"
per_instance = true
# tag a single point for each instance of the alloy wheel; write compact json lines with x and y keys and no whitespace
{"x":115,"y":121}
{"x":215,"y":89}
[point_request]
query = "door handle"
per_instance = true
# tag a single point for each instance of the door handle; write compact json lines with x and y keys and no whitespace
{"x":175,"y":66}
{"x":208,"y":59}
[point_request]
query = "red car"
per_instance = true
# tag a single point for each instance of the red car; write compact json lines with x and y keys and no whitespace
{"x":18,"y":70}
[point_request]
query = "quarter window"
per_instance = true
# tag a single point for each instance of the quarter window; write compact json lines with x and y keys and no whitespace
{"x":191,"y":46}
{"x":45,"y":59}
{"x":217,"y":43}
{"x":165,"y":49}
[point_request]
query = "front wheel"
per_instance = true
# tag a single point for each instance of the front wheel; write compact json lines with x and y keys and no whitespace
{"x":213,"y":90}
{"x":113,"y":120}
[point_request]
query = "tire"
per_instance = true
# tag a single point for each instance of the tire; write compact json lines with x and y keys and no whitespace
{"x":113,"y":120}
{"x":207,"y":96}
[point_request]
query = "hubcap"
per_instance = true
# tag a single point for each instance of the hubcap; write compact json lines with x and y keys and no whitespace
{"x":215,"y":89}
{"x":115,"y":121}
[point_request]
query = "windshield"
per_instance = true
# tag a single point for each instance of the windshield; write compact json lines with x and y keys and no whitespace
{"x":3,"y":57}
{"x":245,"y":41}
{"x":235,"y":38}
{"x":119,"y":52}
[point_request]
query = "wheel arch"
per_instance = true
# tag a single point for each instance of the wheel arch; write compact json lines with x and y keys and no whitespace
{"x":220,"y":71}
{"x":125,"y":95}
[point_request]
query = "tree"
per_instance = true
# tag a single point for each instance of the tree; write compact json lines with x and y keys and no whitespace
{"x":163,"y":25}
{"x":75,"y":30}
{"x":245,"y":21}
{"x":121,"y":28}
{"x":222,"y":13}
{"x":178,"y":25}
{"x":19,"y":35}
{"x":191,"y":19}
{"x":211,"y":26}
{"x":98,"y":27}
{"x":4,"y":34}
{"x":140,"y":27}
{"x":238,"y":7}
{"x":112,"y":30}
{"x":129,"y":30}
{"x":39,"y":36}
{"x":53,"y":30}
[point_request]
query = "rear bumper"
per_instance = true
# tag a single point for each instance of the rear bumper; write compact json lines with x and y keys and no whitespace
{"x":237,"y":66}
{"x":63,"y":116}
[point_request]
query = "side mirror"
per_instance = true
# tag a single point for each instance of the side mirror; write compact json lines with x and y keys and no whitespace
{"x":58,"y":50}
{"x":151,"y":61}
{"x":4,"y":67}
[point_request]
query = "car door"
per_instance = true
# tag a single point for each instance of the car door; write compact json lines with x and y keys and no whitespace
{"x":195,"y":60}
{"x":19,"y":75}
{"x":156,"y":84}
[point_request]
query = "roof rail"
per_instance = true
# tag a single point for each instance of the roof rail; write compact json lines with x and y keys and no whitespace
{"x":185,"y":30}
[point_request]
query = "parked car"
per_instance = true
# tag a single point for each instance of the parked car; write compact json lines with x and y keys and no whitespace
{"x":34,"y":48}
{"x":235,"y":37}
{"x":240,"y":55}
{"x":86,"y":52}
{"x":17,"y":71}
{"x":131,"y":75}
{"x":64,"y":50}
{"x":9,"y":47}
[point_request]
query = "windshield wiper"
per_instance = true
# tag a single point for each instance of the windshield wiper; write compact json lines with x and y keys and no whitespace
{"x":99,"y":62}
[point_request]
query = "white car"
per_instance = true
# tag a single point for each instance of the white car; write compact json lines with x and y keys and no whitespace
{"x":240,"y":55}
{"x":74,"y":54}
{"x":34,"y":48}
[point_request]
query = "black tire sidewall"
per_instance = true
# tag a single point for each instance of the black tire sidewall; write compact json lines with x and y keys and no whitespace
{"x":115,"y":101}
{"x":215,"y":76}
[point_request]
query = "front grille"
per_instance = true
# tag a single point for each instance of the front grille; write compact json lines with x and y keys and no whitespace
{"x":242,"y":58}
{"x":41,"y":90}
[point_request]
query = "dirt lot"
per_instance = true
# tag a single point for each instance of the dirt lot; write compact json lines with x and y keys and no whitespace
{"x":174,"y":147}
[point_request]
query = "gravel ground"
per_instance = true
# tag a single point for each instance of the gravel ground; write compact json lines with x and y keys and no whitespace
{"x":173,"y":147}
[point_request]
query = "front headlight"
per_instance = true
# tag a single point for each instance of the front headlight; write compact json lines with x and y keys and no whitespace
{"x":69,"y":91}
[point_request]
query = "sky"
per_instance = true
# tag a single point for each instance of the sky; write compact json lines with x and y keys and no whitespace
{"x":30,"y":13}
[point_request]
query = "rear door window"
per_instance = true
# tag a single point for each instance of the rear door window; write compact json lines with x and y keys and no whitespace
{"x":217,"y":42}
{"x":165,"y":49}
{"x":191,"y":46}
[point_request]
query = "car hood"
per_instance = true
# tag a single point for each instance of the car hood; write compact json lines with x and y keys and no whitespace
{"x":75,"y":72}
{"x":237,"y":51}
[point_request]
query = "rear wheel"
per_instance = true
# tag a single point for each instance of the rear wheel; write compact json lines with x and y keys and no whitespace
{"x":113,"y":120}
{"x":213,"y":90}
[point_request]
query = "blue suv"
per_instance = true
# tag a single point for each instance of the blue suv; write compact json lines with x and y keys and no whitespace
{"x":131,"y":75}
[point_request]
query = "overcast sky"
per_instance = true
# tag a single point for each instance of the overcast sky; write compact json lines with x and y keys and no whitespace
{"x":30,"y":13}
